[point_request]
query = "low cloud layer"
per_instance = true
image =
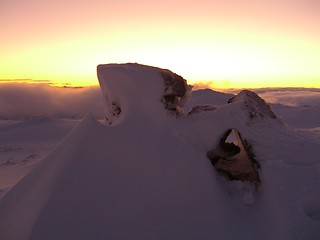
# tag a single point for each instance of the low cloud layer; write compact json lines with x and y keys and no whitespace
{"x":290,"y":96}
{"x":37,"y":100}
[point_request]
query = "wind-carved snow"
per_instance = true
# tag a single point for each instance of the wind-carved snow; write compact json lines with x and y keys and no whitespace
{"x":136,"y":90}
{"x":147,"y":174}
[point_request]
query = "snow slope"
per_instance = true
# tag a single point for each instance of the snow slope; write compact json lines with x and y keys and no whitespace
{"x":147,"y":175}
{"x":207,"y":96}
{"x":299,"y":116}
{"x":24,"y":143}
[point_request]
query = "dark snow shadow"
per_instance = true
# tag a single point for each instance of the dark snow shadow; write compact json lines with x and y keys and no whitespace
{"x":311,"y":207}
{"x":235,"y":158}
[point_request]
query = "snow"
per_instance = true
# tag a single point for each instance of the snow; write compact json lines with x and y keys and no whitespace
{"x":138,"y":91}
{"x":136,"y":95}
{"x":206,"y":97}
{"x":298,"y":116}
{"x":24,"y":143}
{"x":146,"y":174}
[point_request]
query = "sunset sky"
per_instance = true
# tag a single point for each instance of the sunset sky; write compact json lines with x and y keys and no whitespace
{"x":232,"y":43}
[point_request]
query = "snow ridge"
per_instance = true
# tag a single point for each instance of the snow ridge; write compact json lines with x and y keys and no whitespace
{"x":256,"y":107}
{"x":130,"y":89}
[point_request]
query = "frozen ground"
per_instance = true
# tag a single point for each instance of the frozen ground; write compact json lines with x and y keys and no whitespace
{"x":147,"y":175}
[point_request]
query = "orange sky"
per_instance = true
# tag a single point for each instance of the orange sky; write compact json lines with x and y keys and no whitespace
{"x":232,"y":43}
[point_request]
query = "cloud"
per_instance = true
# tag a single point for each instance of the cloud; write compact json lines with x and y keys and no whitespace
{"x":202,"y":85}
{"x":292,"y":97}
{"x":21,"y":100}
{"x":39,"y":100}
{"x":289,"y":96}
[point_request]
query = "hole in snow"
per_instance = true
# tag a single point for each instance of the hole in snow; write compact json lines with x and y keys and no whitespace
{"x":230,"y":143}
{"x":236,"y":158}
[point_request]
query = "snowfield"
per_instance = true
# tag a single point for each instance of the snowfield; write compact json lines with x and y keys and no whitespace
{"x":145,"y":172}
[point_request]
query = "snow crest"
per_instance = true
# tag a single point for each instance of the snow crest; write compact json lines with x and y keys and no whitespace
{"x":134,"y":90}
{"x":256,"y":107}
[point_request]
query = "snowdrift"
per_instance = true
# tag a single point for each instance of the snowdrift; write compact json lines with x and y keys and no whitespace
{"x":146,"y":173}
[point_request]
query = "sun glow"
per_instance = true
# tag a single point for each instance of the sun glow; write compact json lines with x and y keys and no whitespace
{"x":224,"y":50}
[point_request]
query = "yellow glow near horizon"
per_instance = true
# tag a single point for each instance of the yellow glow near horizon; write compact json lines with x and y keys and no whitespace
{"x":230,"y":47}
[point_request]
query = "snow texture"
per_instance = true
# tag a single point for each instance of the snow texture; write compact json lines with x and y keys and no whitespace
{"x":256,"y":106}
{"x":147,"y":175}
{"x":137,"y":90}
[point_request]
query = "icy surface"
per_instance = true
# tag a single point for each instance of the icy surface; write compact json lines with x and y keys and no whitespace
{"x":147,"y":176}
